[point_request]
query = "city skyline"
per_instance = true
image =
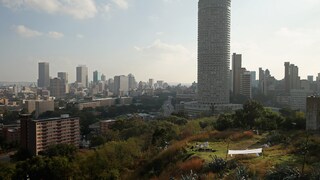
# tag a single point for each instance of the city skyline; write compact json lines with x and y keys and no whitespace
{"x":163,"y":35}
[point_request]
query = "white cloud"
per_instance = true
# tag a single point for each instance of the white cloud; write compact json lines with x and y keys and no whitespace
{"x":26,"y":32}
{"x":107,"y":8}
{"x":168,"y":60}
{"x":299,"y":36}
{"x":159,"y":33}
{"x":55,"y":35}
{"x":163,"y":48}
{"x":123,"y":4}
{"x":80,"y":36}
{"x":79,"y":9}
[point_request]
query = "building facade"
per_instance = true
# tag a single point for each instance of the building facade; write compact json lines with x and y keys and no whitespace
{"x":132,"y":82}
{"x":39,"y":135}
{"x":96,"y":76}
{"x":236,"y":70}
{"x":43,"y":76}
{"x":57,"y":88}
{"x":245,"y":84}
{"x":121,"y":85}
{"x":213,"y":51}
{"x":313,"y":113}
{"x":38,"y":106}
{"x":82,"y":76}
{"x":64,"y":76}
{"x":292,"y":78}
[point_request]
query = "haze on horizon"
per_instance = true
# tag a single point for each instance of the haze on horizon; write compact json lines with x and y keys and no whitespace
{"x":150,"y":39}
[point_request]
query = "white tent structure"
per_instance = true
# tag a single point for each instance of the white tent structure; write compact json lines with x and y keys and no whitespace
{"x":244,"y":152}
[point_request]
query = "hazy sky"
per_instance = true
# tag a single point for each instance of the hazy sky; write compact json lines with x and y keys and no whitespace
{"x":150,"y":38}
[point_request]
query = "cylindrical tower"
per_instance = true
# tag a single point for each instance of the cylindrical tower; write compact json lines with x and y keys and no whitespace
{"x":214,"y":51}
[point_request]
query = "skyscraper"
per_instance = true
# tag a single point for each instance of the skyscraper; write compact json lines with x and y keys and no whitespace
{"x":292,"y":79}
{"x":121,"y":85}
{"x":132,"y":82}
{"x":64,"y":77}
{"x":82,"y":75}
{"x":103,"y":77}
{"x":96,"y":77}
{"x":310,"y":78}
{"x":213,"y":51}
{"x":236,"y":69}
{"x":57,"y":88}
{"x":44,"y":78}
{"x":151,"y":83}
{"x":254,"y":78}
{"x":245,"y":84}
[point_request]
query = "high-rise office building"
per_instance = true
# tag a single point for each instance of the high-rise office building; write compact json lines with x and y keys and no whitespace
{"x":82,"y":76}
{"x":292,"y":79}
{"x":96,"y":76}
{"x":121,"y":85}
{"x":57,"y":88}
{"x":64,"y":77}
{"x":287,"y":76}
{"x":103,"y":77}
{"x":151,"y":83}
{"x":310,"y":78}
{"x":44,"y":77}
{"x":236,"y":69}
{"x":263,"y":87}
{"x":245,"y":84}
{"x":231,"y":81}
{"x":132,"y":82}
{"x":253,"y":78}
{"x":213,"y":51}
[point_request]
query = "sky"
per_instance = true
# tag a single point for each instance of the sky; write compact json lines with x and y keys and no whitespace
{"x":150,"y":38}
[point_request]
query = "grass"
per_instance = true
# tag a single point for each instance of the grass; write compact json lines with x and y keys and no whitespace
{"x":221,"y":146}
{"x":272,"y":156}
{"x":283,"y":153}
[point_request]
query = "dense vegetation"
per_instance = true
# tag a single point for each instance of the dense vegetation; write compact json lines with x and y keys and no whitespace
{"x":168,"y":149}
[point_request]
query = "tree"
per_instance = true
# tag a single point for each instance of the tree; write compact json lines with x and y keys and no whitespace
{"x":164,"y":133}
{"x":86,"y":119}
{"x":63,"y":150}
{"x":252,"y":110}
{"x":97,"y":141}
{"x":6,"y":171}
{"x":223,"y":122}
{"x":41,"y":167}
{"x":269,"y":121}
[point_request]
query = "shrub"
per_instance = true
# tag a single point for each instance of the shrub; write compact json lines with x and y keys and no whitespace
{"x":223,"y":122}
{"x":218,"y":165}
{"x":275,"y":138}
{"x":191,"y":176}
{"x":315,"y":175}
{"x":283,"y":172}
{"x":232,"y":164}
{"x":242,"y":173}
